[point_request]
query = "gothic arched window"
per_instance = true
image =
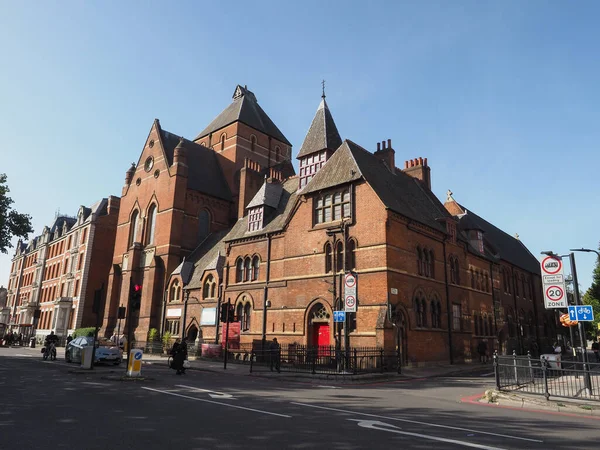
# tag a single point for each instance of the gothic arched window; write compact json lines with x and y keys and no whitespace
{"x":133,"y":226}
{"x":255,"y":268}
{"x":151,"y":225}
{"x":239,"y":270}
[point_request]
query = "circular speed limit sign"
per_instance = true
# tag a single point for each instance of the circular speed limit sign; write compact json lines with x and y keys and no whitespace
{"x":555,"y":293}
{"x":350,"y":301}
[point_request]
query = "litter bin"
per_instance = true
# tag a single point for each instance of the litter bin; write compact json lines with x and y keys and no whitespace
{"x":32,"y":342}
{"x":86,"y":357}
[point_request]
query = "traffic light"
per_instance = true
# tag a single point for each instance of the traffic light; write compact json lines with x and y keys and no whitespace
{"x":227,"y":313}
{"x":136,"y":297}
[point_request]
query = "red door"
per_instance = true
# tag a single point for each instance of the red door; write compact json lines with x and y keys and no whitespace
{"x":322,"y":334}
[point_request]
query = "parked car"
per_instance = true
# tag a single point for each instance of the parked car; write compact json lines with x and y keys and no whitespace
{"x":106,"y":351}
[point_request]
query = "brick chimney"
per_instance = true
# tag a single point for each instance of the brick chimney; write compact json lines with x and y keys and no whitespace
{"x":418,"y":168}
{"x":386,"y":154}
{"x":251,"y":179}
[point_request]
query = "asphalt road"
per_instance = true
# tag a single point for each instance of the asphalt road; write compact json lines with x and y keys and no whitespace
{"x":54,"y":405}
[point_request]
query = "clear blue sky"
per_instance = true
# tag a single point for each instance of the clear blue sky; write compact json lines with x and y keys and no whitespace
{"x":502,"y":97}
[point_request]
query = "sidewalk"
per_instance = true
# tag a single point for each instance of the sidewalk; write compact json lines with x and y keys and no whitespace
{"x":235,"y":368}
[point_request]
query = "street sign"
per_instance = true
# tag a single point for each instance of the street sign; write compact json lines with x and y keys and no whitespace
{"x":339,"y":316}
{"x":350,"y":283}
{"x":394,"y":291}
{"x":350,"y":280}
{"x":553,"y":282}
{"x":552,"y":265}
{"x":581,"y":313}
{"x":350,"y":303}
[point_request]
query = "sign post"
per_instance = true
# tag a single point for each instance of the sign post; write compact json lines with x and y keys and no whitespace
{"x":553,"y":281}
{"x":349,"y":292}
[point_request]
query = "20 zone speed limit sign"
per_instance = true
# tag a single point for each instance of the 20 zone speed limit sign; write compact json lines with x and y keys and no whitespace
{"x":554,"y":293}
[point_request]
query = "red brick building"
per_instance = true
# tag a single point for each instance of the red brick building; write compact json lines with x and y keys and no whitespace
{"x":224,"y":218}
{"x":53,"y":277}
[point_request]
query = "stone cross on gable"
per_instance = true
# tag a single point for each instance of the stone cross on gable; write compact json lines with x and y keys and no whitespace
{"x":449,"y":196}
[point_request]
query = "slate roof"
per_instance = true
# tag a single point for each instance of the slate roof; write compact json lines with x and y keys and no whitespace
{"x":268,"y":195}
{"x":245,"y":109}
{"x":398,"y":191}
{"x":276,"y":220}
{"x":209,"y":255}
{"x":322,"y":133}
{"x":204,"y":171}
{"x":510,"y":249}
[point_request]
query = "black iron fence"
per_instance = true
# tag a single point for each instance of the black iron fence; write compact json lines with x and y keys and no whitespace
{"x":548,"y":375}
{"x":323,"y":360}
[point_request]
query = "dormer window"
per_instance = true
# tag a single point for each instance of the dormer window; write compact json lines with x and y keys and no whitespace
{"x":255,"y":219}
{"x":309,"y":166}
{"x":331,"y":207}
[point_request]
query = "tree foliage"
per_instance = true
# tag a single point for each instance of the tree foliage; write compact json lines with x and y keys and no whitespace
{"x":12,"y":223}
{"x":592,"y":297}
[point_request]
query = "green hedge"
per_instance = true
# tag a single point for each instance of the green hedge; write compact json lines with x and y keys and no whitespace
{"x":89,"y":331}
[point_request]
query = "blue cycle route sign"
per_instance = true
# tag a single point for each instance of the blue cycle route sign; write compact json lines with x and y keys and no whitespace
{"x":339,"y":316}
{"x":581,"y":313}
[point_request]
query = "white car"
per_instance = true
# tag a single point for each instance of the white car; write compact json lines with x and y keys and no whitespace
{"x":106,"y":351}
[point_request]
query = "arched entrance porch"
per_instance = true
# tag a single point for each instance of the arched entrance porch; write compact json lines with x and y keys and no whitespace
{"x":319,"y":332}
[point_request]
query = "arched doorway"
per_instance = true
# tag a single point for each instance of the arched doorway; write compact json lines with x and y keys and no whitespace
{"x":192,"y":333}
{"x":318,"y":323}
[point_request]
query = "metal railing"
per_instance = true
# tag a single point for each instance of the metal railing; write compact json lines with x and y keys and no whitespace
{"x":327,"y":360}
{"x":548,"y":376}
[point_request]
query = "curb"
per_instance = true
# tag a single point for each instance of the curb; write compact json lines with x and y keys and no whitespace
{"x":474,"y":400}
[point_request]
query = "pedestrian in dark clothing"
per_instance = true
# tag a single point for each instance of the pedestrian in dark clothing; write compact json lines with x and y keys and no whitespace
{"x":482,"y":350}
{"x":596,"y":350}
{"x":275,"y":351}
{"x":179,"y":352}
{"x":69,"y":339}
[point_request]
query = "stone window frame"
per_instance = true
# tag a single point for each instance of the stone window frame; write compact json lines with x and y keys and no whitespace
{"x":332,"y":206}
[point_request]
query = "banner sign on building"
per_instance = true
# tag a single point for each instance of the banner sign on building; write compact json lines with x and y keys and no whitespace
{"x":553,"y":282}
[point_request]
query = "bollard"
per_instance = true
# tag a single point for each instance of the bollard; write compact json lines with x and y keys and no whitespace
{"x":496,"y":370}
{"x":381,"y":360}
{"x":251,"y":360}
{"x":545,"y":375}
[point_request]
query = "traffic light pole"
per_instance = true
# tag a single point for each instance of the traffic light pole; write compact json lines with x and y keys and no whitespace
{"x":128,"y":321}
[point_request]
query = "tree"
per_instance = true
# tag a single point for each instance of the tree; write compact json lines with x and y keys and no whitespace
{"x":592,"y":297}
{"x":12,"y":223}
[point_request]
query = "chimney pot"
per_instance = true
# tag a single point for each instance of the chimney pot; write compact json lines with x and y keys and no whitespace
{"x":383,"y":145}
{"x":425,"y":162}
{"x":406,"y":164}
{"x":378,"y":146}
{"x":420,"y":160}
{"x":389,"y":143}
{"x":412,"y":163}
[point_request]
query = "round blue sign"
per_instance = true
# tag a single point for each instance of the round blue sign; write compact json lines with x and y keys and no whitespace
{"x":138,"y":355}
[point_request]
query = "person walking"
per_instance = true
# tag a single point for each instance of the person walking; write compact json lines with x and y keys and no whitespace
{"x":275,"y":351}
{"x":179,"y":353}
{"x":482,"y":350}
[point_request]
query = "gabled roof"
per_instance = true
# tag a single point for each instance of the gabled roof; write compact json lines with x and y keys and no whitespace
{"x":510,"y":249}
{"x":322,"y":134}
{"x":276,"y":220}
{"x":245,"y":109}
{"x":204,"y":171}
{"x":398,"y":191}
{"x":209,"y":255}
{"x":268,"y":195}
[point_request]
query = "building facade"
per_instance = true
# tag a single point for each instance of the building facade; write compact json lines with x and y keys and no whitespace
{"x":224,"y":218}
{"x":53,"y":277}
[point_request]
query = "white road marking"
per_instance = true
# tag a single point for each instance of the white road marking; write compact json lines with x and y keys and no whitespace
{"x":328,"y":387}
{"x":487,"y":374}
{"x":92,"y":383}
{"x":417,"y":422}
{"x":213,"y":394}
{"x":217,"y":403}
{"x":376,"y":425}
{"x":26,"y":356}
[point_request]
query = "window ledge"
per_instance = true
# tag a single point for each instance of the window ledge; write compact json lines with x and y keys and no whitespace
{"x":326,"y":225}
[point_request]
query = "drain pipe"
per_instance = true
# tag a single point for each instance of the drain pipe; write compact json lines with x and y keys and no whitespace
{"x":450,"y":349}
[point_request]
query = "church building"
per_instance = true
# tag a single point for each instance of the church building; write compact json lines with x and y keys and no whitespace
{"x":224,"y":218}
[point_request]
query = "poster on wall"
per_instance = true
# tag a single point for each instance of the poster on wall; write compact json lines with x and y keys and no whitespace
{"x":208,"y":316}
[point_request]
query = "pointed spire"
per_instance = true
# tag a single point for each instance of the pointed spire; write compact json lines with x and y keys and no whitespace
{"x":323,"y":133}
